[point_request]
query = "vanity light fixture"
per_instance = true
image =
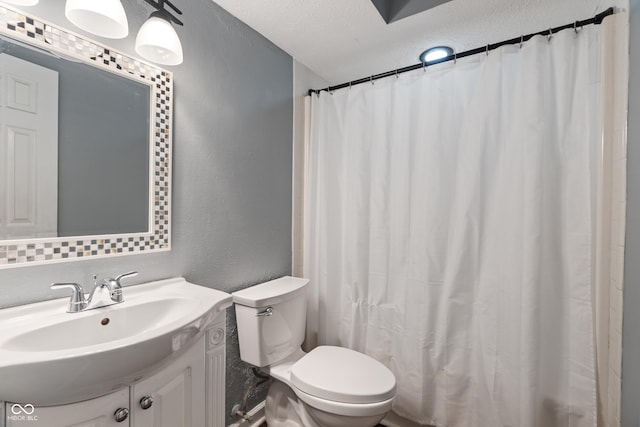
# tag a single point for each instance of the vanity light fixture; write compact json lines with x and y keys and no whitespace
{"x":22,"y":2}
{"x":104,"y":18}
{"x":157,"y":40}
{"x":434,"y":54}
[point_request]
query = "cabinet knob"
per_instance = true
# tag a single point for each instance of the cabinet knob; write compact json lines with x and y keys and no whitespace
{"x":146,"y":402}
{"x":121,"y":414}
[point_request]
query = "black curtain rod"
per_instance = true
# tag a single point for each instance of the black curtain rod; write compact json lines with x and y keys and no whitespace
{"x":596,"y":20}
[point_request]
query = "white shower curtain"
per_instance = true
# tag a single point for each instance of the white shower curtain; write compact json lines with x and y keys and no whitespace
{"x":448,"y":232}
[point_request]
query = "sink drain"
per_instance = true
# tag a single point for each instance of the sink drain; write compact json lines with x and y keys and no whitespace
{"x":105,"y":321}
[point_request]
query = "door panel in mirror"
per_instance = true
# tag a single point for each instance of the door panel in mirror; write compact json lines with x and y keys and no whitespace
{"x":29,"y":141}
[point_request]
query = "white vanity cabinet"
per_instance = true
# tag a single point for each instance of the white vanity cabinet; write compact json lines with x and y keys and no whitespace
{"x":174,"y":396}
{"x":188,"y":392}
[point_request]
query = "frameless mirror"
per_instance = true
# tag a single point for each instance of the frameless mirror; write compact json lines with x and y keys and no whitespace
{"x":85,"y":144}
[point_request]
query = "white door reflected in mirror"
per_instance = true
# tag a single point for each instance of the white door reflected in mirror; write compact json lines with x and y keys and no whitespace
{"x":28,"y":149}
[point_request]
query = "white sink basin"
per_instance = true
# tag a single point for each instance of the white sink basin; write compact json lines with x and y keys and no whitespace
{"x":51,"y":357}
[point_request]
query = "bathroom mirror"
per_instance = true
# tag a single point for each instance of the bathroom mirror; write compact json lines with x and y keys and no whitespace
{"x":85,"y":147}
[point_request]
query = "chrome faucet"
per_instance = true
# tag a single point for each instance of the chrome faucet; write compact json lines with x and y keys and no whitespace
{"x":106,"y":292}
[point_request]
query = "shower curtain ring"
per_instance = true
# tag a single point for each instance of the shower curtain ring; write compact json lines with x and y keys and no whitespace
{"x":521,"y":41}
{"x":550,"y":35}
{"x":455,"y":57}
{"x":575,"y":27}
{"x":487,"y":50}
{"x":371,"y":80}
{"x":350,"y":85}
{"x":397,"y":76}
{"x":424,"y":66}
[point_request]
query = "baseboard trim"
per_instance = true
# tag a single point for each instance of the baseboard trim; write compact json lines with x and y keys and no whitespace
{"x":256,"y":414}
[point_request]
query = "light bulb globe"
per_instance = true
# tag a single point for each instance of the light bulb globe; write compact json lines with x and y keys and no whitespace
{"x":104,"y":18}
{"x":157,"y":41}
{"x":22,"y":2}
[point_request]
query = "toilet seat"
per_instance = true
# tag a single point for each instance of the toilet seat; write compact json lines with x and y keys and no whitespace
{"x":342,"y":376}
{"x":341,"y":408}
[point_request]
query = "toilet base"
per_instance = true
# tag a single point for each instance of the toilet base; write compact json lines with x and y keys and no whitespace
{"x":284,"y":409}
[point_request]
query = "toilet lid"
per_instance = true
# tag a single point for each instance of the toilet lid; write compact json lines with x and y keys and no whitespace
{"x":343,"y":375}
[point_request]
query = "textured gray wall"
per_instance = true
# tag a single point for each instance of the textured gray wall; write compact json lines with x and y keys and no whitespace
{"x":231,"y":224}
{"x":631,"y":331}
{"x":92,"y":199}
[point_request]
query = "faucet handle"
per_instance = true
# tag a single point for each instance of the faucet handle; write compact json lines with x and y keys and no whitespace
{"x":116,"y":291}
{"x":77,"y":301}
{"x":125,"y":275}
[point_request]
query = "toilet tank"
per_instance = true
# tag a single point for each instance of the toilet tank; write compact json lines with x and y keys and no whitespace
{"x":271,"y":319}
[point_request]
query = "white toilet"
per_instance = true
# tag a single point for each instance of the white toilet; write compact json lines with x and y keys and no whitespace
{"x":327,"y":387}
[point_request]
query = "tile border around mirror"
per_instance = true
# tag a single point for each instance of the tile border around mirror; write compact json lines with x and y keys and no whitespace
{"x":37,"y":32}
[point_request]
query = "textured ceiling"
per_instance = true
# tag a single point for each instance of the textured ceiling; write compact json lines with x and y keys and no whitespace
{"x":343,"y":40}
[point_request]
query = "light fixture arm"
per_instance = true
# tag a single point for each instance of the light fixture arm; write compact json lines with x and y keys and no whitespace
{"x":164,"y":13}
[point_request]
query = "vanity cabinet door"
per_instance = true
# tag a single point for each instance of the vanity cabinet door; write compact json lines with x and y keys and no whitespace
{"x":174,"y":396}
{"x":99,"y":412}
